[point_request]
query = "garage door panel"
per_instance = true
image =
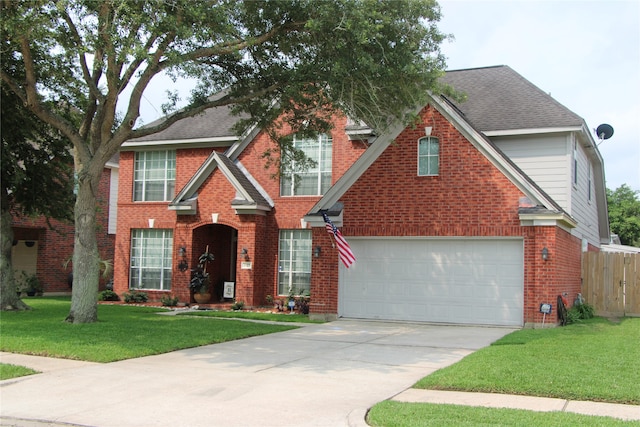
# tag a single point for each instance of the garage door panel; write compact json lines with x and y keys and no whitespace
{"x":478,"y":281}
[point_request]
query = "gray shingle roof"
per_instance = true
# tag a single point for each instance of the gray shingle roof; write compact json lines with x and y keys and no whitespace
{"x":498,"y":98}
{"x":211,"y":123}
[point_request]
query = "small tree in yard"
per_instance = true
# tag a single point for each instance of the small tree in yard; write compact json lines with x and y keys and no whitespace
{"x":291,"y":58}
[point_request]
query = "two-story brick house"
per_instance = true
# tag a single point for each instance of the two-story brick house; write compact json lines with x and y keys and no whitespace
{"x":448,"y":219}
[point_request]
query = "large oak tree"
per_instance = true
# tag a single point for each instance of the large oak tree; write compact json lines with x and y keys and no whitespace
{"x":373,"y":60}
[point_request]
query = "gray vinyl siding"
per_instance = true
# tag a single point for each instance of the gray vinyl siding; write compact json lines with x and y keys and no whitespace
{"x":545,"y":160}
{"x":548,"y":160}
{"x":585,"y":211}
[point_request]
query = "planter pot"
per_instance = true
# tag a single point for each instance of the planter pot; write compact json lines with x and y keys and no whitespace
{"x":202,"y":298}
{"x":31,"y":292}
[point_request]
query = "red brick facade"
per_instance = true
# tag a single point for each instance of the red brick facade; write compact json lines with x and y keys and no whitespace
{"x":258,"y":234}
{"x":469,"y":197}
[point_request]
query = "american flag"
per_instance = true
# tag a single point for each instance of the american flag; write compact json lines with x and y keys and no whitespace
{"x":346,"y":255}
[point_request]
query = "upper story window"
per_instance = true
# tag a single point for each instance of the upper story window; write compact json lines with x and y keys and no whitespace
{"x":314,"y":181}
{"x":428,"y":156}
{"x":154,"y":176}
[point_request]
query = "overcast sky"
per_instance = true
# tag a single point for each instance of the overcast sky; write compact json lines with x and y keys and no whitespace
{"x":586,"y":54}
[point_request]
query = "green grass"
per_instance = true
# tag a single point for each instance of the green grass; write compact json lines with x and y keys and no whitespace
{"x":398,"y":414}
{"x":8,"y":371}
{"x":253,"y":315}
{"x":594,"y":360}
{"x":122,"y":332}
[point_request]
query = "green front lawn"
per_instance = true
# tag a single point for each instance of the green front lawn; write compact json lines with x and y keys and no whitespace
{"x":595,"y":360}
{"x":592,"y":360}
{"x":398,"y":414}
{"x":122,"y":332}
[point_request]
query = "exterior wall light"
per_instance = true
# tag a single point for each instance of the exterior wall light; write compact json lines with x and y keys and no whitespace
{"x":183,"y":266}
{"x":545,"y":253}
{"x":244,"y":253}
{"x":317,"y":251}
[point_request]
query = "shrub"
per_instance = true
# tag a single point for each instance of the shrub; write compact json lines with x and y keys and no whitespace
{"x":26,"y":282}
{"x":135,"y":296}
{"x":238,"y":305}
{"x":169,"y":300}
{"x":579,"y":312}
{"x":108,"y":295}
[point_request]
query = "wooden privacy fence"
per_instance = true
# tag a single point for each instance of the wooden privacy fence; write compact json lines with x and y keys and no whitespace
{"x":611,"y":283}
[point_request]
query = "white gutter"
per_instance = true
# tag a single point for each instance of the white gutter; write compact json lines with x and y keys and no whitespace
{"x":533,"y":131}
{"x":192,"y":141}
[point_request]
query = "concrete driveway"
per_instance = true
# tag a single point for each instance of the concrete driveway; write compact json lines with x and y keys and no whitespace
{"x":318,"y":375}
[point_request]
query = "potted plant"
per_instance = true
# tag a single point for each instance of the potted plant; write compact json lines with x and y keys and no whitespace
{"x":32,"y":285}
{"x":200,"y":283}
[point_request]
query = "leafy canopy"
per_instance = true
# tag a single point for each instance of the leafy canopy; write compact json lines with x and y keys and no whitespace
{"x":300,"y":60}
{"x":624,"y":214}
{"x":373,"y":60}
{"x":37,"y":165}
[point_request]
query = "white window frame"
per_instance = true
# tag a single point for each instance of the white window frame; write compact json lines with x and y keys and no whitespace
{"x":151,"y":253}
{"x":294,"y":261}
{"x":142,"y":171}
{"x":427,"y":157}
{"x":322,"y":153}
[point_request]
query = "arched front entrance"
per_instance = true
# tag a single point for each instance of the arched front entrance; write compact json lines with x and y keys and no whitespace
{"x":222,"y":241}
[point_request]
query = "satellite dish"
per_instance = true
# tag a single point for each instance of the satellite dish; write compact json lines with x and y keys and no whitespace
{"x":604,"y":131}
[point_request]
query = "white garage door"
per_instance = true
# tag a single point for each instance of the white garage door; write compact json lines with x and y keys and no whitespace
{"x":470,"y":281}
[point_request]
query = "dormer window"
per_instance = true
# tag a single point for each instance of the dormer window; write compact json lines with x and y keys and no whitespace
{"x":428,"y":156}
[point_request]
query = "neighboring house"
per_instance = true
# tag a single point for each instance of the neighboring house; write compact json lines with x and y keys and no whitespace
{"x":615,"y":245}
{"x":448,"y":219}
{"x":45,"y":250}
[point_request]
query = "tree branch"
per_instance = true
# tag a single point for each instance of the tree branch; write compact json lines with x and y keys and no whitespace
{"x":91,"y":79}
{"x":91,"y":83}
{"x":133,"y":110}
{"x":131,"y":69}
{"x":235,"y":45}
{"x":32,"y":99}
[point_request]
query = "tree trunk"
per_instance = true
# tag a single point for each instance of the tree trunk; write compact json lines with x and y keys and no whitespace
{"x":86,"y":258}
{"x":9,"y":300}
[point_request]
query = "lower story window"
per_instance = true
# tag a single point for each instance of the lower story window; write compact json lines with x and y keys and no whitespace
{"x":151,"y":254}
{"x":294,"y":265}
